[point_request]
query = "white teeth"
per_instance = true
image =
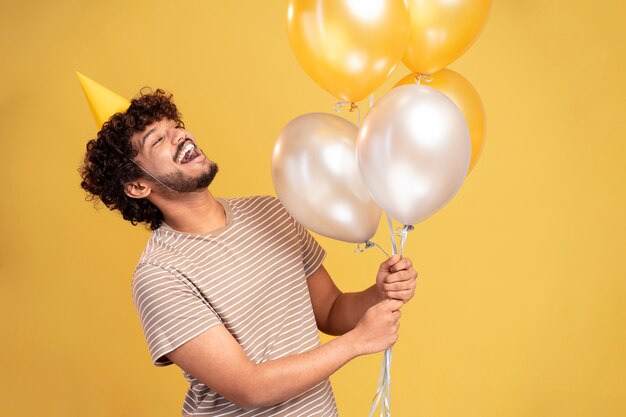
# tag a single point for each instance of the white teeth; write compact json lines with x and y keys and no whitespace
{"x":184,"y":152}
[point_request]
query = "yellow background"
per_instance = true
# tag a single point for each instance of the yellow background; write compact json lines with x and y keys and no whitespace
{"x":521,"y":303}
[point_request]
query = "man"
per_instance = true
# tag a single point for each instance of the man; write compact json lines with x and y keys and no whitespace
{"x":232,"y":290}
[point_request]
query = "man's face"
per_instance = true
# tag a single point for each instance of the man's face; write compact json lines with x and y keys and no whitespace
{"x":169,"y":152}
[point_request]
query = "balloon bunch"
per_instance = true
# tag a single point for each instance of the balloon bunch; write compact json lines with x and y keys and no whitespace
{"x":416,"y":144}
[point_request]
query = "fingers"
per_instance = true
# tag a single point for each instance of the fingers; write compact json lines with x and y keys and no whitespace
{"x":400,"y":290}
{"x":396,"y":263}
{"x":396,"y":324}
{"x":405,"y":282}
{"x":393,"y":319}
{"x":394,"y":304}
{"x":401,"y":270}
{"x":396,"y":279}
{"x":389,"y":304}
{"x":403,"y":296}
{"x":400,"y":264}
{"x":405,"y":275}
{"x":400,"y":285}
{"x":388,"y":264}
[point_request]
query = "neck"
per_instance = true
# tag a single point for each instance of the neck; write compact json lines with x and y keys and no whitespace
{"x":196,"y":212}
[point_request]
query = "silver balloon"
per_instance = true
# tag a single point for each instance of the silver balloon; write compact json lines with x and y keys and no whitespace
{"x":316,"y":177}
{"x":413,"y":151}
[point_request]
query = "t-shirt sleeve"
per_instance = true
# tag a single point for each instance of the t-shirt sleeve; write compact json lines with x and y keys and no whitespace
{"x":312,"y":252}
{"x":171,"y":311}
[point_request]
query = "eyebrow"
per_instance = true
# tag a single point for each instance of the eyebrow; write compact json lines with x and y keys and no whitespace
{"x":148,"y":133}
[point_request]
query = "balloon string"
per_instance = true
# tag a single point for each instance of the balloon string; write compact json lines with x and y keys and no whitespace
{"x":403,"y":235}
{"x":379,"y":391}
{"x":400,"y":232}
{"x":362,"y":247}
{"x":384,"y":388}
{"x":394,"y":248}
{"x":383,"y":393}
{"x":340,"y":105}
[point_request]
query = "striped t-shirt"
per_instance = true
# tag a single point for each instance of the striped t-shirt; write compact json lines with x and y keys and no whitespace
{"x":249,"y":276}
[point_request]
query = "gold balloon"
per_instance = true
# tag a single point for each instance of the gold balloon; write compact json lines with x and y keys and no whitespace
{"x":441,"y":31}
{"x":466,"y":98}
{"x":349,"y":47}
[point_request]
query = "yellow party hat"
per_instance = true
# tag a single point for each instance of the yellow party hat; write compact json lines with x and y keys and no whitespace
{"x":103,"y":102}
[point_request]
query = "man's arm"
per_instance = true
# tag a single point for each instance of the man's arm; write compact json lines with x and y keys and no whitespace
{"x":216,"y":359}
{"x":337,"y":313}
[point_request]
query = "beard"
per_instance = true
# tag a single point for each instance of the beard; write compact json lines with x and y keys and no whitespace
{"x":177,"y":182}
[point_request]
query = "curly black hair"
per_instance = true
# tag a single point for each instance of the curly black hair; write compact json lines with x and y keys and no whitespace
{"x":107,"y":166}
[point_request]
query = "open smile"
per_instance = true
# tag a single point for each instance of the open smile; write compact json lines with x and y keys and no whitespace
{"x":187,"y":152}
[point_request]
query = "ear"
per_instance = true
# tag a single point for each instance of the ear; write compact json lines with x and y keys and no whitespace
{"x":137,"y":189}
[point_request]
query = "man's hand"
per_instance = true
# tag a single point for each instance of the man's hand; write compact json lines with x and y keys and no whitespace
{"x":378,"y":328}
{"x":396,"y":279}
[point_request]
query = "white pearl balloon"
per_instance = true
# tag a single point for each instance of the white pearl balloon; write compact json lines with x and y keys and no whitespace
{"x":413,"y":151}
{"x":317,"y":179}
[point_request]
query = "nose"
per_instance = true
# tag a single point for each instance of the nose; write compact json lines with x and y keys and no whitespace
{"x":178,"y":136}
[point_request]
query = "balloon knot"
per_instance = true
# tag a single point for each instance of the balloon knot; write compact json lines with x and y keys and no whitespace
{"x":362,"y":247}
{"x":423,"y":77}
{"x":339,"y":106}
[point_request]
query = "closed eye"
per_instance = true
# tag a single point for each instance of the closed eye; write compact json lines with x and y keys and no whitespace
{"x":159,"y":139}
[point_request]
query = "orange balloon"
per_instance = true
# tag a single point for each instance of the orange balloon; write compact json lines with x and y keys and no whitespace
{"x":466,"y":98}
{"x":349,"y":47}
{"x":441,"y":31}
